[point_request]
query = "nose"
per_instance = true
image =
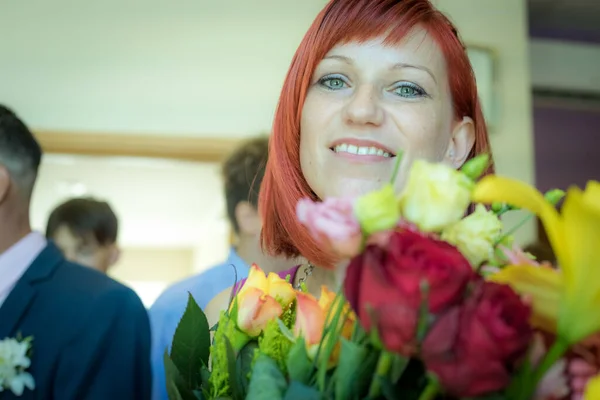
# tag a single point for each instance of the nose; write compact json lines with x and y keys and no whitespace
{"x":363,"y":107}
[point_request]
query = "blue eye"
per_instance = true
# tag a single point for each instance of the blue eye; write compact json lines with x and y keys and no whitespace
{"x":407,"y":89}
{"x":335,"y":82}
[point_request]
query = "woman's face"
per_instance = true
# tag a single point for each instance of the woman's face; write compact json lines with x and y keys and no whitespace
{"x":367,"y":103}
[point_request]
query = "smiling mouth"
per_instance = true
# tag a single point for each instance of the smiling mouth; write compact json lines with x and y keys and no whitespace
{"x":361,"y":150}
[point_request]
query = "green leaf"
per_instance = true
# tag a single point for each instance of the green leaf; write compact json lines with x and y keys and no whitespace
{"x":286,"y":331}
{"x":388,"y":390}
{"x":300,"y":367}
{"x":244,"y":365}
{"x":204,"y":375}
{"x":177,"y":387}
{"x":236,"y":390}
{"x":332,"y":333}
{"x":267,"y":381}
{"x":299,"y":391}
{"x":233,"y":314}
{"x":347,"y":377}
{"x":191,"y":344}
{"x":399,"y":365}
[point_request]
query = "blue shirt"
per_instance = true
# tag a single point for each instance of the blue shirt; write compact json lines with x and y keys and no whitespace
{"x":166,"y":312}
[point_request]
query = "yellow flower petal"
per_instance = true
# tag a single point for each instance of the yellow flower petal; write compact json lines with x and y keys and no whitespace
{"x":280,"y":289}
{"x":256,"y":279}
{"x":327,"y":298}
{"x":541,"y":285}
{"x":592,"y":390}
{"x":581,"y":219}
{"x":493,"y":188}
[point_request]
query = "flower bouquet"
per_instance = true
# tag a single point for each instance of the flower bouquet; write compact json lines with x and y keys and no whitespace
{"x":436,"y":302}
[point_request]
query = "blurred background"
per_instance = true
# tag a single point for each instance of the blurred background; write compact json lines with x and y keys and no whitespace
{"x":136,"y":103}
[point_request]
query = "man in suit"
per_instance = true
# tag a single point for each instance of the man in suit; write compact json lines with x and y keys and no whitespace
{"x":91,"y":335}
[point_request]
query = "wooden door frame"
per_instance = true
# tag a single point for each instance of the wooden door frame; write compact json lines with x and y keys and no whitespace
{"x":187,"y":148}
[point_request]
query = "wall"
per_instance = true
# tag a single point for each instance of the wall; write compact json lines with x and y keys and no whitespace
{"x":502,"y":27}
{"x":567,"y":144}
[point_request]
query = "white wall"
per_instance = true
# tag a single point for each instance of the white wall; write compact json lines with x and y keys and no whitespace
{"x":204,"y":67}
{"x":502,"y":27}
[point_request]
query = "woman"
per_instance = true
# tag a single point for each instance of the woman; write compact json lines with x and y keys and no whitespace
{"x":371,"y":78}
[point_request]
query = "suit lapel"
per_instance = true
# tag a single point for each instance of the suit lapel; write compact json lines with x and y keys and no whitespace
{"x":21,"y":297}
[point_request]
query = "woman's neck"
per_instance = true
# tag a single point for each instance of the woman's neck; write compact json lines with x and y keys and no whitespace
{"x":332,"y":279}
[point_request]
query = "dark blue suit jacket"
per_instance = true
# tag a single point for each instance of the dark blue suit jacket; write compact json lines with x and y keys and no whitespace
{"x":91,"y":335}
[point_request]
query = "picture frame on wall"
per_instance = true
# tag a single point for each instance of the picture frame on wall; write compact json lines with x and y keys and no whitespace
{"x":483,"y":61}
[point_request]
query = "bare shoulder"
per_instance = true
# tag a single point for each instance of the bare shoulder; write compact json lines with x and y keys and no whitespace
{"x":219,"y":303}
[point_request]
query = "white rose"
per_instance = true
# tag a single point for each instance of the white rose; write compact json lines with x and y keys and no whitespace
{"x":13,"y":362}
{"x":435,"y":196}
{"x":475,"y":235}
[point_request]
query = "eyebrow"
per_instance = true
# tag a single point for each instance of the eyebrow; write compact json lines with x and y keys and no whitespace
{"x":348,"y":61}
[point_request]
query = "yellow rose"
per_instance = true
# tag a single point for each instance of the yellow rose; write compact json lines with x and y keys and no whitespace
{"x":436,"y":196}
{"x":475,"y":235}
{"x":261,"y":299}
{"x":378,"y":211}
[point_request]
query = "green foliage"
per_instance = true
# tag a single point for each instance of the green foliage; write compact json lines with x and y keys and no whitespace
{"x":177,"y":387}
{"x":267,"y":382}
{"x":275,"y":344}
{"x":236,"y":390}
{"x":219,"y":377}
{"x":191,"y":344}
{"x":299,"y":366}
{"x":244,"y":364}
{"x":299,"y":391}
{"x":348,"y":374}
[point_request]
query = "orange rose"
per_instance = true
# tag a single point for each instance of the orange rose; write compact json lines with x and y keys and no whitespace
{"x":261,"y":299}
{"x":312,"y":318}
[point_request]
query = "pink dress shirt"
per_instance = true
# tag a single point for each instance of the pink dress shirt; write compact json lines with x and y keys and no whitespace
{"x":15,"y":261}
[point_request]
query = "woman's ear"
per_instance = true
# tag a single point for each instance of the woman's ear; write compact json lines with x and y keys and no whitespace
{"x":461,"y":143}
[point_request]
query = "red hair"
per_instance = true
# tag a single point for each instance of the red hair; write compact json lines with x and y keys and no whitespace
{"x":343,"y":21}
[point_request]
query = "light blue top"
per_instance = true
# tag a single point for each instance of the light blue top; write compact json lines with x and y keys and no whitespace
{"x":166,"y":312}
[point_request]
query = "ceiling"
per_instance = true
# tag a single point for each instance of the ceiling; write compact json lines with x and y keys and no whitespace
{"x":565,"y":19}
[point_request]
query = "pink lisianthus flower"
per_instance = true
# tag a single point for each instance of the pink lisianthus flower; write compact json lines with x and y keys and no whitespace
{"x":516,"y":256}
{"x":553,"y":385}
{"x":333,"y":224}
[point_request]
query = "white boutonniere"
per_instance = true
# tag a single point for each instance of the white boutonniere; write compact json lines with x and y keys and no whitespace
{"x":14,"y":360}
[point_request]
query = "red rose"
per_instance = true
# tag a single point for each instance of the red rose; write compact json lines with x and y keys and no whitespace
{"x":473,"y":348}
{"x":385,"y":283}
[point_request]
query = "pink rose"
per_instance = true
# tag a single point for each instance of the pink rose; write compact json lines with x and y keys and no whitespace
{"x":332,"y":223}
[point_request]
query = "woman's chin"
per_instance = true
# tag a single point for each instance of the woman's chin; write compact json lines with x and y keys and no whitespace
{"x":352,"y":187}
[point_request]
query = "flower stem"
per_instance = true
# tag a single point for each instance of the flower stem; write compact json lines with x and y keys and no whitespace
{"x":396,"y":167}
{"x":384,"y":365}
{"x":431,"y":390}
{"x":514,"y":228}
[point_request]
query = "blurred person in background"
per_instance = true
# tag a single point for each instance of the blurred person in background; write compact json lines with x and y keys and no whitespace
{"x":85,"y":230}
{"x":90,"y":334}
{"x":243,"y":173}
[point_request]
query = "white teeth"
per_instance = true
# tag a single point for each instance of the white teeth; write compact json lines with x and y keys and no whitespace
{"x":361,"y":150}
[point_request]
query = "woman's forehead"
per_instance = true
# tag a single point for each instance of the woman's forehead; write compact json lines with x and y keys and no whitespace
{"x":416,"y":47}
